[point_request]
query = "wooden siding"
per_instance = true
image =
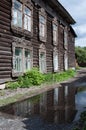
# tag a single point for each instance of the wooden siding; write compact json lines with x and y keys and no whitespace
{"x":6,"y":39}
{"x":71,"y":51}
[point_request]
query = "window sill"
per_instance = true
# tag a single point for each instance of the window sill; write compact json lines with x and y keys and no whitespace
{"x":43,"y":39}
{"x":17,"y":74}
{"x":55,"y":43}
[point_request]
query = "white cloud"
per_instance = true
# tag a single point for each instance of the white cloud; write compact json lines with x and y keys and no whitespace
{"x":81,"y":29}
{"x":80,"y":42}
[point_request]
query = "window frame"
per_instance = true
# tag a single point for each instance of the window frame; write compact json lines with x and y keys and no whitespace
{"x":55,"y":53}
{"x":42,"y":50}
{"x":22,"y":30}
{"x":24,"y":45}
{"x":65,"y":60}
{"x":43,"y":14}
{"x":54,"y":22}
{"x":65,"y":38}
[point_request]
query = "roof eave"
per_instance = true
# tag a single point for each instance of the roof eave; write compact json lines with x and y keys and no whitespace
{"x":62,"y":11}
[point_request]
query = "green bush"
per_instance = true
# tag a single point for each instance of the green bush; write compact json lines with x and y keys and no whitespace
{"x":83,"y":116}
{"x":12,"y":85}
{"x":34,"y":76}
{"x":48,"y":77}
{"x":24,"y":82}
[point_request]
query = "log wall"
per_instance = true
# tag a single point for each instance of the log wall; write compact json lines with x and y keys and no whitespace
{"x":6,"y":39}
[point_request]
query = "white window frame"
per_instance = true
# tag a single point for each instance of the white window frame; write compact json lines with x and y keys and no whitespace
{"x":18,"y":11}
{"x":27,"y":18}
{"x":17,"y":60}
{"x":66,"y":60}
{"x":23,"y":46}
{"x":42,"y":13}
{"x":55,"y":55}
{"x":55,"y":31}
{"x":27,"y":5}
{"x":42,"y":50}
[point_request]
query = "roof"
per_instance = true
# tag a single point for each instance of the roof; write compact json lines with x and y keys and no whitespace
{"x":62,"y":11}
{"x":72,"y":30}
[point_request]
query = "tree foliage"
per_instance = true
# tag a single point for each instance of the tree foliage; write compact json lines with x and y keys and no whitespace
{"x":81,"y":55}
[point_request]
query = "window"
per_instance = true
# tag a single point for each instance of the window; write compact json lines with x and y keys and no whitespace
{"x":18,"y":60}
{"x":42,"y":25}
{"x":42,"y":59}
{"x":22,"y":15}
{"x":27,"y":19}
{"x":22,"y":60}
{"x":42,"y":62}
{"x":66,"y":61}
{"x":22,"y":56}
{"x":55,"y":31}
{"x":28,"y":60}
{"x":55,"y":60}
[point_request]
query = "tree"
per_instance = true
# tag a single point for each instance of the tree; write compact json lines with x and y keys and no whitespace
{"x":80,"y":53}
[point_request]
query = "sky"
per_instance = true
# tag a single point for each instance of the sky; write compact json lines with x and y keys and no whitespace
{"x":77,"y":9}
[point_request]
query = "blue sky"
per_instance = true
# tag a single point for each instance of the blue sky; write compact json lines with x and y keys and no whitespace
{"x":77,"y":10}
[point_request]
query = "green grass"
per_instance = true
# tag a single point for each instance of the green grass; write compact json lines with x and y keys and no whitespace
{"x":34,"y":77}
{"x":10,"y":99}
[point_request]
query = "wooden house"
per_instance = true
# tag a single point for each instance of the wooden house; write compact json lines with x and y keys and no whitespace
{"x":35,"y":33}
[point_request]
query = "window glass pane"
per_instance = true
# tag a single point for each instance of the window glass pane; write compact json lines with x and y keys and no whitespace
{"x":18,"y":60}
{"x":42,"y":30}
{"x":55,"y":27}
{"x":54,"y":32}
{"x":27,"y":60}
{"x":27,"y":19}
{"x":54,"y":36}
{"x":17,"y":14}
{"x":15,"y":17}
{"x":42,"y":19}
{"x":55,"y":62}
{"x":42,"y":62}
{"x":19,"y":19}
{"x":17,"y":5}
{"x":27,"y":11}
{"x":42,"y":26}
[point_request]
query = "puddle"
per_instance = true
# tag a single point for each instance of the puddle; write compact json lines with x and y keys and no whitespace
{"x":60,"y":106}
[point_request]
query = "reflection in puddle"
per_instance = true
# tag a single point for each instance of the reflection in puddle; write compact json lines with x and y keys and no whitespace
{"x":58,"y":105}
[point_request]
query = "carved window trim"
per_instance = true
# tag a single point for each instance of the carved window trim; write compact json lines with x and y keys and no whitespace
{"x":55,"y":55}
{"x":55,"y":23}
{"x":43,"y":14}
{"x":24,"y":45}
{"x":21,"y":30}
{"x":42,"y":50}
